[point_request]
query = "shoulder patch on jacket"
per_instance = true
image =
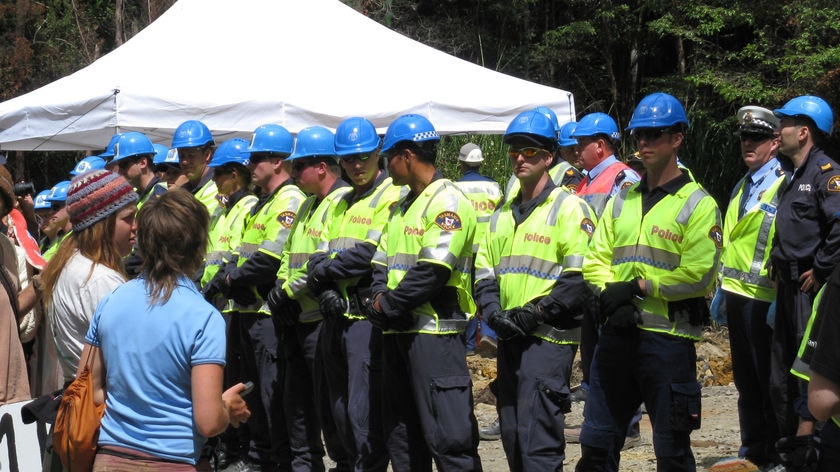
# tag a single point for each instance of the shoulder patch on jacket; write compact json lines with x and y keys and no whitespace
{"x":716,"y":235}
{"x":448,"y":221}
{"x":587,"y":226}
{"x":833,"y":184}
{"x":286,"y":218}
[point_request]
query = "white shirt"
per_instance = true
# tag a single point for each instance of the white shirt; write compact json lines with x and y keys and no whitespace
{"x":75,"y":296}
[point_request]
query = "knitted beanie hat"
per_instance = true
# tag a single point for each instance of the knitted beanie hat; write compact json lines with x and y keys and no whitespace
{"x":94,"y":195}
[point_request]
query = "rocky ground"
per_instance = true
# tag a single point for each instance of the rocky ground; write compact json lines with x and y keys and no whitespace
{"x":718,"y":437}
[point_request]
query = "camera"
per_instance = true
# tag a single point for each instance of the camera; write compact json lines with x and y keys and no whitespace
{"x":23,"y":189}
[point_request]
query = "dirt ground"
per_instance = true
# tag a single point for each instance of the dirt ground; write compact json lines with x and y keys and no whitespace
{"x":718,"y":437}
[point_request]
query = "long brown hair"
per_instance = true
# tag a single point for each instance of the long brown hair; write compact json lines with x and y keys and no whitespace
{"x":172,"y":237}
{"x":96,"y":242}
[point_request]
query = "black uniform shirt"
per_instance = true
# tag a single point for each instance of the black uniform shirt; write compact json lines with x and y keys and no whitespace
{"x":806,"y":234}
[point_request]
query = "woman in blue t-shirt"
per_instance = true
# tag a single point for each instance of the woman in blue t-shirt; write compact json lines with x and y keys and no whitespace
{"x":161,"y":350}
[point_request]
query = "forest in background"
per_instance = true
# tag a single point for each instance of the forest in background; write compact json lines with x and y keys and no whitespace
{"x":714,"y":55}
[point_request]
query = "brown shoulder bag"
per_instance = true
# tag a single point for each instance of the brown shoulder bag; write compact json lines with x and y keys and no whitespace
{"x":76,"y":429}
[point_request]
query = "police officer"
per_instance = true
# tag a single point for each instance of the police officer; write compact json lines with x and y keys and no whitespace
{"x":567,"y":145}
{"x":58,"y":227}
{"x":195,"y":145}
{"x":296,"y":312}
{"x":134,"y":158}
{"x":597,"y":135}
{"x":133,"y":154}
{"x":339,"y":273}
{"x":232,"y":178}
{"x":529,"y":283}
{"x":421,"y":287}
{"x":561,"y":171}
{"x":485,"y":195}
{"x":746,"y":291}
{"x":817,"y":362}
{"x":652,"y":259}
{"x":245,"y":281}
{"x":805,"y":248}
{"x":168,"y":168}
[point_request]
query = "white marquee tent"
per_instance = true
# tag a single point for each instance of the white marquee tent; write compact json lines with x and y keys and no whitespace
{"x":238,"y":64}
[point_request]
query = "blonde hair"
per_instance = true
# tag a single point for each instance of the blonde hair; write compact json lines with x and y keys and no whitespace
{"x":172,"y":238}
{"x":96,"y":242}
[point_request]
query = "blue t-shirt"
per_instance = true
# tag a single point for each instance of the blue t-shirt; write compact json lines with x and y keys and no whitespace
{"x":149,"y":352}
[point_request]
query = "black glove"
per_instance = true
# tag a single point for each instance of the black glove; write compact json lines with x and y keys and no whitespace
{"x":284,"y":310}
{"x":395,"y":321}
{"x":276,"y":298}
{"x":528,"y":317}
{"x":244,"y":296}
{"x":616,"y":294}
{"x":504,"y":327}
{"x":316,"y":277}
{"x":215,"y":286}
{"x":332,"y":304}
{"x":625,"y":318}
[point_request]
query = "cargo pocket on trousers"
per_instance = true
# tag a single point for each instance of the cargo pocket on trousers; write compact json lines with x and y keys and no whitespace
{"x":685,"y":406}
{"x":451,"y":406}
{"x":551,"y":403}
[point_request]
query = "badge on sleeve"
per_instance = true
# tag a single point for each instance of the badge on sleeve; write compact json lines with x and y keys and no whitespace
{"x":716,"y":235}
{"x":286,"y":219}
{"x":448,"y":221}
{"x":587,"y":226}
{"x":834,"y":183}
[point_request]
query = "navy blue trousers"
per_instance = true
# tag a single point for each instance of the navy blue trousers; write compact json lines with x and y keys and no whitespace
{"x":427,"y":403}
{"x":628,"y":369}
{"x":352,"y":355}
{"x":749,"y":340}
{"x":533,"y":399}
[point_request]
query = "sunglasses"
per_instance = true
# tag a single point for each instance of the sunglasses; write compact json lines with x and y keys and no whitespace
{"x":299,"y":165}
{"x":256,"y":158}
{"x":649,"y":134}
{"x":126,"y":163}
{"x":351,"y":158}
{"x":755,"y":137}
{"x":528,"y":152}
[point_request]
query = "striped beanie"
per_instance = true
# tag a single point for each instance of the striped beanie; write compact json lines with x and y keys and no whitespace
{"x":94,"y":195}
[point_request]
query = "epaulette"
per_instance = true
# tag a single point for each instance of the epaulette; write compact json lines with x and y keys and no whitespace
{"x":620,"y":176}
{"x":779,"y":172}
{"x":824,"y":164}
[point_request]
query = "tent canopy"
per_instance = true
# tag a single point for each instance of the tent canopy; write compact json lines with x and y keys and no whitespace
{"x":238,"y":64}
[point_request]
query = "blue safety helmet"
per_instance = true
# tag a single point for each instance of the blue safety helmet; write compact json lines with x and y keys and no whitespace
{"x":88,"y":163}
{"x":810,"y":106}
{"x":161,"y":153}
{"x":658,"y":110}
{"x":232,"y":151}
{"x":355,"y":135}
{"x":597,"y":123}
{"x":133,"y":144}
{"x":549,"y":113}
{"x":414,"y":128}
{"x":109,"y":149}
{"x":273,"y":139}
{"x":191,"y":133}
{"x":41,"y":200}
{"x":534,"y":126}
{"x":59,"y":192}
{"x":565,"y":138}
{"x":314,"y":141}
